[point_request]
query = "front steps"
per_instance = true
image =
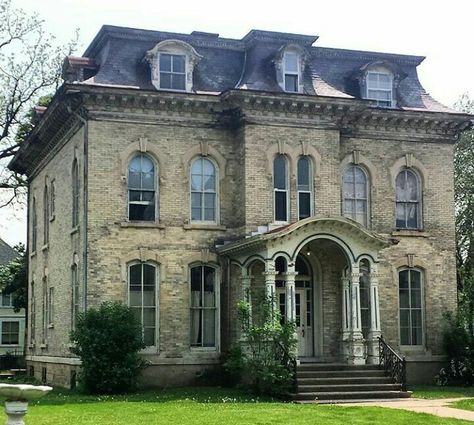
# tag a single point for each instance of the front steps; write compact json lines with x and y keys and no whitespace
{"x":333,"y":382}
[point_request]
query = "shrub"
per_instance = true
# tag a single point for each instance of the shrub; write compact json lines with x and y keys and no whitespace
{"x":107,"y":340}
{"x":265,"y":355}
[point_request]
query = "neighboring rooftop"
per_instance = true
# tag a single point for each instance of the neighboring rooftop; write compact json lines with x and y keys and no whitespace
{"x":7,"y":253}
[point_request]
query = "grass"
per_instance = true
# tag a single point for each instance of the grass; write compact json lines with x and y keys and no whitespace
{"x":433,"y":392}
{"x":464,"y":404}
{"x":210,"y":406}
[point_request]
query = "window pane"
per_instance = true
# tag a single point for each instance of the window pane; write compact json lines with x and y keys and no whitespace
{"x":178,"y":63}
{"x":304,"y":204}
{"x":165,"y":81}
{"x":133,"y":179}
{"x":207,"y":167}
{"x":412,"y":215}
{"x":291,"y":62}
{"x":149,"y":317}
{"x":417,"y":336}
{"x":415,"y":277}
{"x":404,"y":298}
{"x":209,"y":339}
{"x":405,"y":336}
{"x":401,"y":218}
{"x":209,"y":200}
{"x":196,"y":200}
{"x":196,"y":281}
{"x":303,"y":174}
{"x":209,"y":183}
{"x":196,"y":214}
{"x":279,"y":172}
{"x":291,"y":83}
{"x":349,"y":208}
{"x":403,"y":279}
{"x":209,"y":214}
{"x":149,"y":336}
{"x":178,"y":82}
{"x":280,"y":206}
{"x":149,"y":275}
{"x":196,"y":182}
{"x":148,"y":180}
{"x":165,"y":62}
{"x":404,"y":318}
{"x":196,"y":328}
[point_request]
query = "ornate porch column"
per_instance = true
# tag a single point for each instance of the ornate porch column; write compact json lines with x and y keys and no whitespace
{"x":290,"y":293}
{"x":374,"y":332}
{"x":245,"y":295}
{"x":356,"y":345}
{"x":270,"y":289}
{"x":346,"y":315}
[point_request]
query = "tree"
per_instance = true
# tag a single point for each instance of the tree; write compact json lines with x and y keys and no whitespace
{"x":464,"y":196}
{"x":14,"y":279}
{"x":30,"y":67}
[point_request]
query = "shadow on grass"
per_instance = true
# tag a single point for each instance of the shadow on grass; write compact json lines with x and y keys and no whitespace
{"x":189,"y":394}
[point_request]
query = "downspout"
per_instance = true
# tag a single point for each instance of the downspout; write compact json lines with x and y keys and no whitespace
{"x":27,"y":334}
{"x":85,"y":199}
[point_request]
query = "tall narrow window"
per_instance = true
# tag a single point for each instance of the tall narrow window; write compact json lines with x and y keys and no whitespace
{"x":172,"y":71}
{"x":75,"y":193}
{"x":355,"y":194}
{"x":364,"y":282}
{"x":45,"y":216}
{"x":141,"y":189}
{"x":380,"y":88}
{"x":75,"y":299}
{"x":142,"y":299}
{"x":280,"y":188}
{"x":52,"y":199}
{"x":51,"y":307}
{"x":34,"y":227}
{"x":291,"y":72}
{"x":411,"y":307}
{"x":203,"y":306}
{"x":45,"y":310}
{"x":408,"y":200}
{"x":32,"y":317}
{"x":305,"y":188}
{"x":203,"y":191}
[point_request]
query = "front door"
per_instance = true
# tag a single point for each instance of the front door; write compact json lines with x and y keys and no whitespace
{"x":304,"y":316}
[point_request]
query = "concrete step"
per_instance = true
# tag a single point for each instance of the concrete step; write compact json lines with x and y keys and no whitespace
{"x":334,"y":366}
{"x":345,"y":380}
{"x":351,"y":395}
{"x":339,"y":373}
{"x":348,"y":388}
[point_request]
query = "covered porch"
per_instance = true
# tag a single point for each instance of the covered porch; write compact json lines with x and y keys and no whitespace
{"x":321,"y":273}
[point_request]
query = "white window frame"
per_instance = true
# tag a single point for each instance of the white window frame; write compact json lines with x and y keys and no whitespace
{"x":51,"y":307}
{"x":368,"y":88}
{"x":217,"y":335}
{"x":150,"y":348}
{"x":52,"y":199}
{"x":34,"y":227}
{"x":216,"y":192}
{"x":355,"y":199}
{"x":171,"y":72}
{"x":419,"y":201}
{"x":311,"y":185}
{"x":1,"y":301}
{"x":75,"y":193}
{"x":292,"y":73}
{"x":8,"y":320}
{"x":155,"y":189}
{"x":418,"y":347}
{"x":46,"y":215}
{"x":286,"y":190}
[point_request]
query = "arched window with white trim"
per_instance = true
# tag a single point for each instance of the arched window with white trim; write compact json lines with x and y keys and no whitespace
{"x":143,"y":298}
{"x":410,"y":290}
{"x":408,"y":200}
{"x":204,"y":305}
{"x":305,"y":187}
{"x":142,"y":182}
{"x":204,"y":181}
{"x":355,"y":190}
{"x":280,"y":189}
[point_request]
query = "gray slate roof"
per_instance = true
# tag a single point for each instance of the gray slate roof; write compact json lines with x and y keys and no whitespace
{"x":7,"y":253}
{"x":248,"y":64}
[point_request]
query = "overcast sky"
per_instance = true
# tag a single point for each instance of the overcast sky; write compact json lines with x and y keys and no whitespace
{"x":442,"y":31}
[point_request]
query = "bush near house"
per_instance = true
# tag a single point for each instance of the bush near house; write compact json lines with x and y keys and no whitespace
{"x":265,"y":355}
{"x":107,"y":340}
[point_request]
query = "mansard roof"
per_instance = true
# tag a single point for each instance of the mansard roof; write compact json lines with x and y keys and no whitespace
{"x":248,"y":64}
{"x":7,"y":253}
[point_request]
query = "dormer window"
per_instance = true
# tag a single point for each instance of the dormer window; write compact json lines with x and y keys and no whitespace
{"x":172,"y":65}
{"x":291,"y":71}
{"x":172,"y":71}
{"x":380,"y":88}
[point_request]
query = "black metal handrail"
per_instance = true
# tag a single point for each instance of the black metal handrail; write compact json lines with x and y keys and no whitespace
{"x":289,"y":362}
{"x":394,"y":364}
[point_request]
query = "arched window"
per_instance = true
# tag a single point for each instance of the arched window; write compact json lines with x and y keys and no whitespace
{"x":355,"y":194}
{"x":142,"y":298}
{"x":75,"y":299}
{"x":203,"y":306}
{"x":364,"y":282}
{"x":411,"y":306}
{"x":203,"y":191}
{"x":141,"y":188}
{"x":34,"y":227}
{"x":280,"y":188}
{"x":305,"y":188}
{"x":408,"y":200}
{"x":45,"y":215}
{"x":75,"y":193}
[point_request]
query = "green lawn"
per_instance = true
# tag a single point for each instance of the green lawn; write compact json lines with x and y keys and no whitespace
{"x":464,"y":404}
{"x":207,"y":406}
{"x":432,"y":392}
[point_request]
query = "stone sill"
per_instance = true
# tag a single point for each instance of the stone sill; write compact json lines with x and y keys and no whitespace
{"x":142,"y":224}
{"x":74,"y":230}
{"x":411,"y":233}
{"x":33,"y":254}
{"x":44,"y":247}
{"x":44,"y":346}
{"x":52,"y":218}
{"x":51,"y":326}
{"x":203,"y":226}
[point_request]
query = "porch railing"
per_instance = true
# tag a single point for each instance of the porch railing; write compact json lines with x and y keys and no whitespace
{"x":394,"y":364}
